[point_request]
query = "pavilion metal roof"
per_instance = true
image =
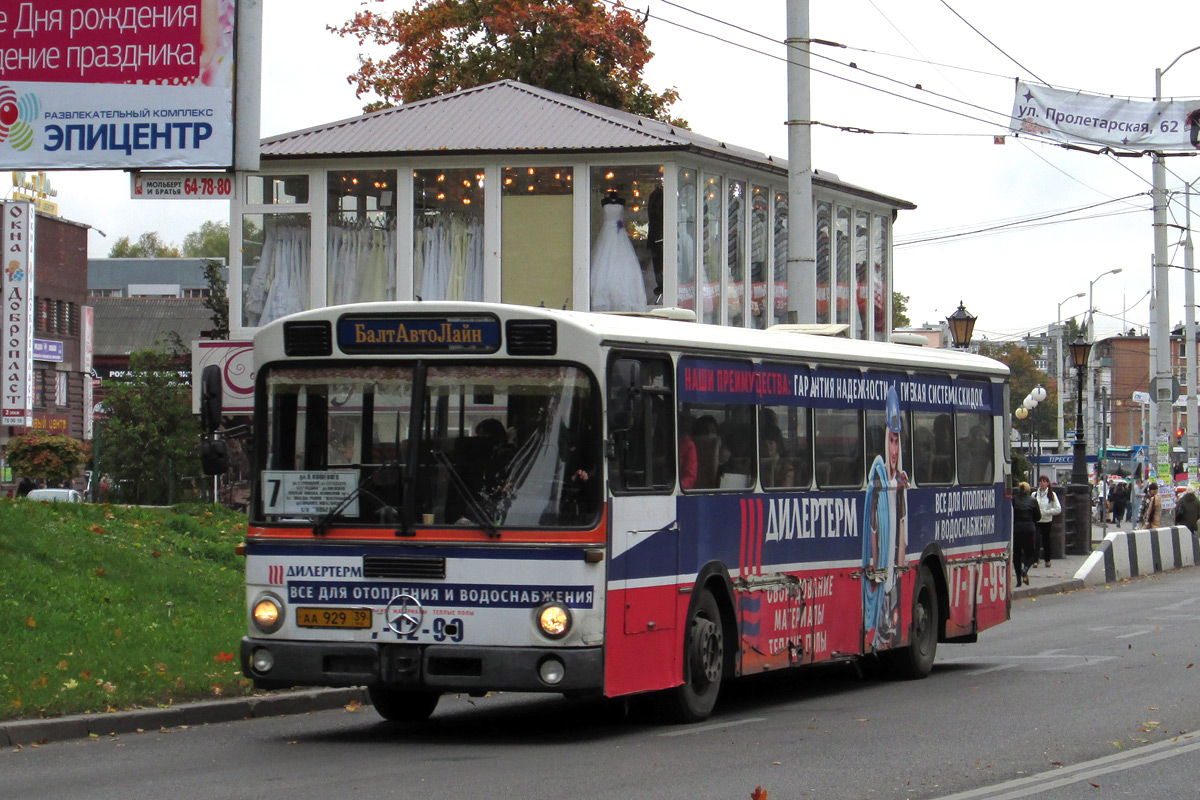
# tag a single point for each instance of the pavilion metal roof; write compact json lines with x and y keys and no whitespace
{"x":504,"y":116}
{"x":513,"y":117}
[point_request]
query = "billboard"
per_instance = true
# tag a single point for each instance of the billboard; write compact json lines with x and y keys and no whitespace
{"x":86,"y":85}
{"x":17,"y":235}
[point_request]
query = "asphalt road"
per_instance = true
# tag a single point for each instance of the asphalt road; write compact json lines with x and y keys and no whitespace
{"x":1083,"y":694}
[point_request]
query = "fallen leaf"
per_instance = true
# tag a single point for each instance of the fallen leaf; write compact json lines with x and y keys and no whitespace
{"x":1093,"y":785}
{"x":759,"y":793}
{"x":30,"y":622}
{"x":353,"y":705}
{"x":221,"y":658}
{"x":864,"y":719}
{"x":1056,"y":763}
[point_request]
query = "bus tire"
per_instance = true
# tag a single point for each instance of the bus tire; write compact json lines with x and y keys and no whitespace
{"x":704,"y":663}
{"x":916,"y":659}
{"x":403,"y":705}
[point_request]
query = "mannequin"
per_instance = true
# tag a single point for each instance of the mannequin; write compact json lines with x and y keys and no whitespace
{"x":617,"y":283}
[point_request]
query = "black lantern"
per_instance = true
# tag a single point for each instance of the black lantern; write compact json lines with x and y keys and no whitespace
{"x":1081,"y":490}
{"x":1080,"y":349}
{"x":962,"y":325}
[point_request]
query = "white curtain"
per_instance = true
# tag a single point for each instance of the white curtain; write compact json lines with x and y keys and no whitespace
{"x":448,"y":258}
{"x":361,"y":264}
{"x":280,"y":283}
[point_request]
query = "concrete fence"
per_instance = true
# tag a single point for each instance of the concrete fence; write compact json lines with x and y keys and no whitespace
{"x":1127,"y":554}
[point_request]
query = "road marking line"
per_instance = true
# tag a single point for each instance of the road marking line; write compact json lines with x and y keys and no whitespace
{"x":1131,"y":635}
{"x":1036,"y":784}
{"x":716,"y":726}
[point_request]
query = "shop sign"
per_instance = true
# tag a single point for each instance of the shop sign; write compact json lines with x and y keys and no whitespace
{"x":47,"y":350}
{"x":51,"y":423}
{"x":181,"y":186}
{"x":17,"y":228}
{"x":89,"y":85}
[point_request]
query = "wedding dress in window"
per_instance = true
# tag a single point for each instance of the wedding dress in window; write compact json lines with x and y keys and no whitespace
{"x":617,"y":283}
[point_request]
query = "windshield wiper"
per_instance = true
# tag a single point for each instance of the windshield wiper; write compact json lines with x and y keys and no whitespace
{"x":469,"y":500}
{"x":321,"y":526}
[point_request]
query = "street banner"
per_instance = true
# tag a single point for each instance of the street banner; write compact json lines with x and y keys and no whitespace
{"x":1092,"y":119}
{"x":17,"y":220}
{"x":86,"y":85}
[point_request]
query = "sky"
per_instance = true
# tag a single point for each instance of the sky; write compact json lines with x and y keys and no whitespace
{"x":934,"y":147}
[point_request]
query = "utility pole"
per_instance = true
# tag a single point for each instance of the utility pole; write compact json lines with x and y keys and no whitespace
{"x":802,"y":246}
{"x":1192,"y":430}
{"x":1160,"y":327}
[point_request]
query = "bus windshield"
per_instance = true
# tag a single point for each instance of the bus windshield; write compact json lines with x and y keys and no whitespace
{"x":495,"y":446}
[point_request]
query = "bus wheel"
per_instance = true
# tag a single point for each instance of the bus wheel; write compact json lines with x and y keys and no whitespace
{"x":704,"y":663}
{"x":403,"y":705}
{"x":916,"y":660}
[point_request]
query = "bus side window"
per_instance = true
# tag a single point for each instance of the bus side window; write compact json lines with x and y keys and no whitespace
{"x":975,"y":451}
{"x":784,"y":447}
{"x":643,"y":433}
{"x":933,"y":448}
{"x":722,"y":440}
{"x":838,"y":447}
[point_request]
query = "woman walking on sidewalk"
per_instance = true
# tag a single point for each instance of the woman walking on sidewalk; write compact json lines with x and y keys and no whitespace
{"x":1049,"y":508}
{"x":1025,"y":516}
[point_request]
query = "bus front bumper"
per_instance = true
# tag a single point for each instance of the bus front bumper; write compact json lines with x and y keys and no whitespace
{"x":438,"y":667}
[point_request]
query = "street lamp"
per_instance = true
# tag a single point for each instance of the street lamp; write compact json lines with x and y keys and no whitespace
{"x":1091,"y":337}
{"x":1062,"y":340}
{"x":1026,"y":410}
{"x":1081,"y":543}
{"x":962,"y":325}
{"x":1091,"y":306}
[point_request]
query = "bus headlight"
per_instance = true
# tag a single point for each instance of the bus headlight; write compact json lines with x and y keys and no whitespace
{"x":267,"y":613}
{"x":554,"y":620}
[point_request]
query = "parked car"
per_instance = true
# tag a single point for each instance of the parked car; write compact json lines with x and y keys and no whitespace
{"x":56,"y":495}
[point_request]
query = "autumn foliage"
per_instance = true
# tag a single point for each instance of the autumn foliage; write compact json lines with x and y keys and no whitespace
{"x":49,"y":456}
{"x":582,"y":48}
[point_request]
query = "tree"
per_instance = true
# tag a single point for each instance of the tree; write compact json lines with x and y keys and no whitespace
{"x":210,"y":240}
{"x":217,"y":301}
{"x":150,"y":437}
{"x":50,"y":456}
{"x":582,"y":48}
{"x":899,"y":310}
{"x":148,"y":245}
{"x":1024,"y":375}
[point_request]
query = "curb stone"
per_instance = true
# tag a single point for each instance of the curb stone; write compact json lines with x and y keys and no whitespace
{"x":81,"y":726}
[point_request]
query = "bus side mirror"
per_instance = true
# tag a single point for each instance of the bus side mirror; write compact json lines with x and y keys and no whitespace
{"x":214,"y":458}
{"x":210,"y":399}
{"x":625,"y":383}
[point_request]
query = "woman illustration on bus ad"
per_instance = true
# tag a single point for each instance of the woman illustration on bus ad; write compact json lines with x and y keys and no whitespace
{"x":885,"y":537}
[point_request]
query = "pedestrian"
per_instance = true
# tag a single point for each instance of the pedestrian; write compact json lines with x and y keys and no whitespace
{"x":25,"y":486}
{"x":1120,"y":499}
{"x":1049,"y":508}
{"x":1151,"y":507}
{"x":1025,"y":516}
{"x":1187,"y":510}
{"x":1136,"y":493}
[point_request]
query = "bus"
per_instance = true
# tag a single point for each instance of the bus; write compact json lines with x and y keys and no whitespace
{"x":469,"y":497}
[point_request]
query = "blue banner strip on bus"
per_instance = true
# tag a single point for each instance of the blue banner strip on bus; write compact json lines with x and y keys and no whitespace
{"x":704,"y":380}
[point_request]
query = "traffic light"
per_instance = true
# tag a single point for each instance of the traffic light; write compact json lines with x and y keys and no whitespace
{"x":1179,"y":436}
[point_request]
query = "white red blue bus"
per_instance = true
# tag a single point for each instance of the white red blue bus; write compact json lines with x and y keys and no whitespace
{"x":468,"y":497}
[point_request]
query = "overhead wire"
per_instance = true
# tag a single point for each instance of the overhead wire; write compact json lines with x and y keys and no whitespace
{"x":1110,"y":152}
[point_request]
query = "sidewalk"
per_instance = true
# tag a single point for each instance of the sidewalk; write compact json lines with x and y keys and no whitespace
{"x":1060,"y":575}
